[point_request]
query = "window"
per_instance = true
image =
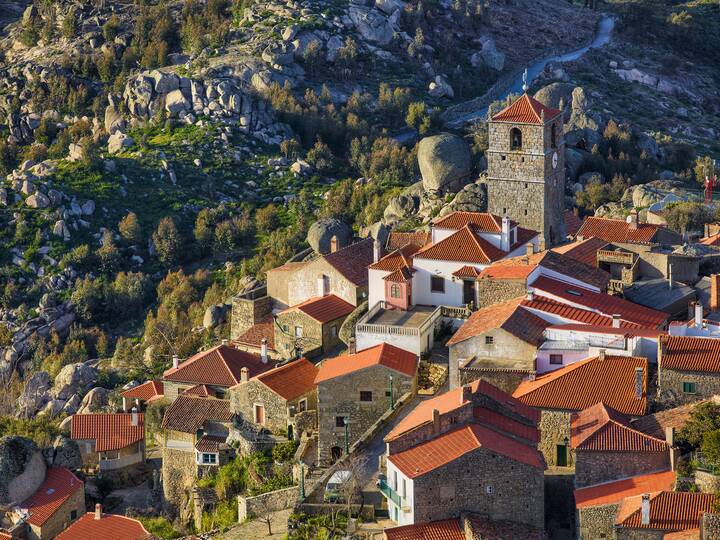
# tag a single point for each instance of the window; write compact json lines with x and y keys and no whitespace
{"x":553,"y":136}
{"x":688,"y":387}
{"x":556,"y":359}
{"x":437,"y":284}
{"x":339,"y":421}
{"x":502,"y":158}
{"x":298,"y":331}
{"x":259,"y":414}
{"x":365,"y":395}
{"x":489,"y":340}
{"x":208,"y":459}
{"x":302,"y":405}
{"x":333,"y":330}
{"x":515,"y":139}
{"x":73,"y":515}
{"x":395,"y":291}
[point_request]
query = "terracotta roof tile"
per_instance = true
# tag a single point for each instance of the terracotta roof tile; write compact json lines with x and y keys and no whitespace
{"x":448,"y":529}
{"x":509,"y":316}
{"x":481,"y":221}
{"x":446,"y":448}
{"x":291,"y":380}
{"x":466,"y":272}
{"x":211,"y":443}
{"x":713,"y":240}
{"x":584,"y":383}
{"x":397,"y":259}
{"x":253,"y":336}
{"x":108,"y":527}
{"x":187,"y":414}
{"x":602,"y":429}
{"x":58,"y":486}
{"x":526,"y":110}
{"x":464,"y":245}
{"x":384,"y":354}
{"x":570,"y":313}
{"x":199,"y":390}
{"x":619,"y":230}
{"x":324,"y":309}
{"x":584,"y":251}
{"x":402,"y":275}
{"x":655,"y":424}
{"x":398,"y":239}
{"x":109,"y":431}
{"x":669,"y":510}
{"x":687,"y":534}
{"x":352,"y":261}
{"x":147,"y":391}
{"x":219,"y":366}
{"x":616,"y":491}
{"x":498,"y":421}
{"x":685,"y":353}
{"x":572,"y":222}
{"x":602,"y":303}
{"x":482,"y":528}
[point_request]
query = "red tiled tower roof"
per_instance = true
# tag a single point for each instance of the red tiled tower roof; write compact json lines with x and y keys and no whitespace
{"x":464,"y":245}
{"x":481,"y":221}
{"x":109,"y":431}
{"x":526,"y":110}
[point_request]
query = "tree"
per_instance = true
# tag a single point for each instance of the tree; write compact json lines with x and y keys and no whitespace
{"x":704,"y":167}
{"x":167,"y":241}
{"x":703,"y":419}
{"x":108,"y":254}
{"x":685,"y":216}
{"x":130,"y":229}
{"x":417,"y":117}
{"x":267,"y":219}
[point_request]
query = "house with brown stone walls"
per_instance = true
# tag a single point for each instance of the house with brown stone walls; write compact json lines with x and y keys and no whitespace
{"x":110,"y":441}
{"x":98,"y":525}
{"x":354,"y":390}
{"x":571,"y":389}
{"x":472,"y":449}
{"x":282,"y":400}
{"x":688,"y":369}
{"x":497,"y":343}
{"x":142,"y":394}
{"x":607,"y":448}
{"x":629,"y":231}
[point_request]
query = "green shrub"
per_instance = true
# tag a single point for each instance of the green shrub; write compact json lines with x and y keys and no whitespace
{"x":160,"y":526}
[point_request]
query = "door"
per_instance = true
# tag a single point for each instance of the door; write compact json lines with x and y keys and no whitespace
{"x":561,"y":460}
{"x":469,"y":292}
{"x":260,"y":415}
{"x":335,"y":453}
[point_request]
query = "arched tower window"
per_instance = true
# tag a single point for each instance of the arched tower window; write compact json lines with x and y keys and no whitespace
{"x":515,"y":139}
{"x":553,"y":136}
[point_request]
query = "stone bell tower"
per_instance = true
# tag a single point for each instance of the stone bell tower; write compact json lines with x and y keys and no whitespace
{"x":526,"y":167}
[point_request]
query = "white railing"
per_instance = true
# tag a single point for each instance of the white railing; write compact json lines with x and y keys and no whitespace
{"x":363,"y":326}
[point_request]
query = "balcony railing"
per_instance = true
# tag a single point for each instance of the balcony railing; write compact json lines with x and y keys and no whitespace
{"x":389,"y":492}
{"x":618,"y":257}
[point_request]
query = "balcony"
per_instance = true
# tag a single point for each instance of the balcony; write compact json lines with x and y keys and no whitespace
{"x":390,"y":493}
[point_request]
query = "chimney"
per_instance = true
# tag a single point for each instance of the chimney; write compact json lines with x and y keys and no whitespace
{"x":632,"y":219}
{"x":98,"y":512}
{"x":691,"y":309}
{"x":224,"y":342}
{"x":376,"y":250}
{"x":714,"y":291}
{"x":176,"y":361}
{"x":670,"y":277}
{"x":645,"y":509}
{"x":616,"y":320}
{"x":670,"y":440}
{"x":466,"y":394}
{"x":134,"y":418}
{"x":505,"y":234}
{"x":264,"y":350}
{"x":529,"y":250}
{"x":698,"y":314}
{"x":436,"y":421}
{"x":322,"y":284}
{"x":530,"y":295}
{"x":576,"y":211}
{"x":124,"y":401}
{"x":333,"y":244}
{"x":351,"y":345}
{"x":601,"y":355}
{"x":243,"y":374}
{"x":639,"y":382}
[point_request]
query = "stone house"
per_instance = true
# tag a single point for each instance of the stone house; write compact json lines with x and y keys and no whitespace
{"x":467,"y":526}
{"x":472,"y":449}
{"x":58,"y":502}
{"x":597,"y":506}
{"x":212,"y":372}
{"x":311,"y":328}
{"x":497,"y":343}
{"x":142,"y":394}
{"x":354,"y":390}
{"x":105,"y":526}
{"x":276,"y":399}
{"x":195,"y":433}
{"x":688,"y":369}
{"x":571,"y":389}
{"x":621,"y":231}
{"x":607,"y":447}
{"x":110,"y":441}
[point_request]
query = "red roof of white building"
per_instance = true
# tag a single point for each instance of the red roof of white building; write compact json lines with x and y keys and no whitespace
{"x":481,"y":221}
{"x":108,"y":527}
{"x":219,"y":366}
{"x":384,"y":354}
{"x":58,"y":487}
{"x":109,"y":431}
{"x":464,"y":245}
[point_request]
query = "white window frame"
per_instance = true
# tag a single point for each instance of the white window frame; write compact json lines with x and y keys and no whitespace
{"x":200,"y":458}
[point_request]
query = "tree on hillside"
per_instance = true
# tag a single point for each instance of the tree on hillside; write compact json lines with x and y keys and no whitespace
{"x":167,"y":241}
{"x":130,"y":229}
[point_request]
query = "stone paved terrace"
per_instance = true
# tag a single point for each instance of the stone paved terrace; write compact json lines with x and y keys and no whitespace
{"x":414,"y":318}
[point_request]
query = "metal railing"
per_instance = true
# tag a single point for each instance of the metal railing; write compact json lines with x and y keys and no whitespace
{"x":389,"y":492}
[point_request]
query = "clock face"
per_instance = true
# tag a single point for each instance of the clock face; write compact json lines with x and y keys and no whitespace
{"x":554,"y":160}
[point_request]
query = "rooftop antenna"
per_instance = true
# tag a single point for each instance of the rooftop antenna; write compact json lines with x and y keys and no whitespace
{"x":525,"y":83}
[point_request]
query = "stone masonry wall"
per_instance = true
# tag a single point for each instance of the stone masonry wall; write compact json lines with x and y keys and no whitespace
{"x":491,"y":291}
{"x":670,"y":386}
{"x":710,"y":526}
{"x":707,"y":482}
{"x":621,"y":533}
{"x":302,"y":284}
{"x":249,"y":507}
{"x":285,"y":339}
{"x":597,"y":467}
{"x":507,"y":381}
{"x":554,"y":428}
{"x":341,"y":397}
{"x":595,"y":522}
{"x":246,"y":313}
{"x":60,"y":518}
{"x":485,"y":483}
{"x":244,"y":396}
{"x":179,"y":472}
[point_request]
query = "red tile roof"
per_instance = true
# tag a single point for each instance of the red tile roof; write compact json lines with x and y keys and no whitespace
{"x":352,"y":261}
{"x":619,"y":230}
{"x":58,"y":486}
{"x":526,"y":110}
{"x":687,"y":534}
{"x":466,"y":271}
{"x":508,"y":316}
{"x":572,"y":222}
{"x":187,"y":414}
{"x":564,"y":311}
{"x":602,"y":303}
{"x":448,"y":529}
{"x":324,"y":309}
{"x":655,"y":424}
{"x":199,"y":390}
{"x":109,"y":431}
{"x":446,"y":448}
{"x":498,"y":270}
{"x":669,"y":510}
{"x":483,"y":528}
{"x":147,"y":391}
{"x":613,"y":492}
{"x":584,"y":383}
{"x":449,"y":401}
{"x":602,"y":429}
{"x":211,"y":443}
{"x":397,"y":259}
{"x":291,"y":380}
{"x":253,"y":336}
{"x":481,"y":221}
{"x":584,"y":251}
{"x":219,"y":366}
{"x":398,"y":239}
{"x":601,"y":329}
{"x":464,"y":245}
{"x":713,"y":240}
{"x":498,"y":421}
{"x":690,"y":354}
{"x":384,"y":354}
{"x":289,"y":266}
{"x":402,"y":275}
{"x":108,"y":527}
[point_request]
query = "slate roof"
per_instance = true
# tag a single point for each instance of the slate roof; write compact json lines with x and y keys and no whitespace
{"x":384,"y":354}
{"x":616,"y":491}
{"x":619,"y":230}
{"x":352,"y":261}
{"x":669,"y":510}
{"x":187,"y":414}
{"x":324,"y":309}
{"x":108,"y":527}
{"x":219,"y":366}
{"x":526,"y":110}
{"x":110,"y":431}
{"x":684,"y":353}
{"x":58,"y":486}
{"x":579,"y":385}
{"x":602,"y":429}
{"x":290,"y":380}
{"x":147,"y":391}
{"x":584,"y":251}
{"x":448,"y":529}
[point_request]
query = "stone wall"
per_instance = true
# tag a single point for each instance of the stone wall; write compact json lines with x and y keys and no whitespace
{"x":491,"y":291}
{"x":249,"y":507}
{"x":554,"y":429}
{"x":302,"y":284}
{"x":306,"y":422}
{"x":483,"y":482}
{"x":25,"y":484}
{"x":707,"y":482}
{"x":60,"y":518}
{"x":597,"y":467}
{"x":245,"y":396}
{"x":316,"y":337}
{"x":597,"y":521}
{"x":505,"y":380}
{"x":179,"y":472}
{"x":710,"y":526}
{"x":248,"y":311}
{"x":622,"y":533}
{"x":341,"y":397}
{"x":670,"y":386}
